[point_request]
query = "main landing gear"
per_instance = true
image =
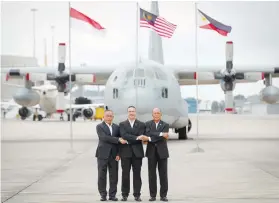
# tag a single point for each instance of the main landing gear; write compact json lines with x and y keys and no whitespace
{"x":39,"y":117}
{"x":68,"y":117}
{"x":182,"y":132}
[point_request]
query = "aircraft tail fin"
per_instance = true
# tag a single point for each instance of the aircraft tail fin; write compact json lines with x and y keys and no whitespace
{"x":155,"y":52}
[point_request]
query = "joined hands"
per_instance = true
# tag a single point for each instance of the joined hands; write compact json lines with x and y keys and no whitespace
{"x":122,"y":141}
{"x":143,"y":138}
{"x":166,"y":135}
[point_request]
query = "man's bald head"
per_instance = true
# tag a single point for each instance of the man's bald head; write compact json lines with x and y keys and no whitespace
{"x":156,"y":114}
{"x":156,"y":110}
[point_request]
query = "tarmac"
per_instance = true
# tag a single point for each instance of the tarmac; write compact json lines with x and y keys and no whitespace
{"x":238,"y":162}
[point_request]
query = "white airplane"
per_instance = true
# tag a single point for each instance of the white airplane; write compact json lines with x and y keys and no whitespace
{"x":43,"y":97}
{"x":150,"y":83}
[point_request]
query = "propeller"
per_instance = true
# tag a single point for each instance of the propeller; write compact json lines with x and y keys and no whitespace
{"x":61,"y":78}
{"x":228,"y":75}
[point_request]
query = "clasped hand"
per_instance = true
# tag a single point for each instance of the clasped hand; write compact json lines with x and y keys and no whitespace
{"x":166,"y":135}
{"x":122,"y":141}
{"x":143,"y":138}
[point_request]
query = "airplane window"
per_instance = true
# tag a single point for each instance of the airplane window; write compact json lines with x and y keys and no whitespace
{"x":160,"y":75}
{"x":129,"y":74}
{"x":165,"y":92}
{"x":149,"y":73}
{"x":139,"y":82}
{"x":139,"y":72}
{"x":115,"y":93}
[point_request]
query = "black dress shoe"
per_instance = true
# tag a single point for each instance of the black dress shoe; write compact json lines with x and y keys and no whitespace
{"x":103,"y":199}
{"x":138,"y":199}
{"x":152,"y":199}
{"x":113,"y":199}
{"x":124,"y":199}
{"x":164,"y":199}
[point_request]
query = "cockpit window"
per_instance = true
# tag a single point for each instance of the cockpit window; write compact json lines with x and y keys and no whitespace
{"x":115,"y":78}
{"x":160,"y":75}
{"x":129,"y":74}
{"x":139,"y":72}
{"x":149,"y":73}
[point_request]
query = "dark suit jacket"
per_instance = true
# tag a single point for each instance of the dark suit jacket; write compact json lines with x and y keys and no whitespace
{"x":157,"y":141}
{"x":130,"y":134}
{"x":108,"y":144}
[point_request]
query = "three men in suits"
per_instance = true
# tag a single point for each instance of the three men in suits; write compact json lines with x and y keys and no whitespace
{"x":157,"y":153}
{"x":131,"y":153}
{"x":107,"y":154}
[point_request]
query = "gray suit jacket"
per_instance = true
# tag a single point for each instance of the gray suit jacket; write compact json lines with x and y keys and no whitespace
{"x":158,"y":143}
{"x":130,"y":134}
{"x":108,"y":144}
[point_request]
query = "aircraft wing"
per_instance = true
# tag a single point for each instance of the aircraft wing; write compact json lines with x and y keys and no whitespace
{"x":97,"y":75}
{"x":9,"y":104}
{"x":188,"y":75}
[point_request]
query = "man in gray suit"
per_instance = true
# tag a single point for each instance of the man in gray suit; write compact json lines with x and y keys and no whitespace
{"x":131,"y":154}
{"x":107,"y":154}
{"x":157,"y":153}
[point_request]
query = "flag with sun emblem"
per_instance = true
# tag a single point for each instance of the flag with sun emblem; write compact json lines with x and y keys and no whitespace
{"x":207,"y":22}
{"x":161,"y":26}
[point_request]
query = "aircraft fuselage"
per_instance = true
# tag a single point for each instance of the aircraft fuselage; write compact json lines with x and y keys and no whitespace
{"x":148,"y":86}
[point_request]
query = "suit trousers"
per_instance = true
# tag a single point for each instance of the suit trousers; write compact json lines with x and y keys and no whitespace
{"x":126,"y":164}
{"x":112,"y":165}
{"x":163,"y":175}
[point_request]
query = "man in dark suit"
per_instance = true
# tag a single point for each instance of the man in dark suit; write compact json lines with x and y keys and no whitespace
{"x":157,"y":153}
{"x":108,"y":155}
{"x":131,"y":153}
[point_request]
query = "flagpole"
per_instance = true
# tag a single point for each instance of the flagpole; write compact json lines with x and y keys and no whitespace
{"x":70,"y":79}
{"x":198,"y":149}
{"x":137,"y":49}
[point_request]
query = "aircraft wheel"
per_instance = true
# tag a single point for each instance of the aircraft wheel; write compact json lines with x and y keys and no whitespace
{"x":189,"y":125}
{"x":40,"y":117}
{"x":182,"y":134}
{"x":23,"y":118}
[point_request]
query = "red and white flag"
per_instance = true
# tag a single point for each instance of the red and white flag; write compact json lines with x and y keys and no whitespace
{"x":82,"y":22}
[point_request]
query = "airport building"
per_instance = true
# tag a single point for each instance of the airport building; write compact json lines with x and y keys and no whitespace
{"x":260,"y":108}
{"x":192,"y":105}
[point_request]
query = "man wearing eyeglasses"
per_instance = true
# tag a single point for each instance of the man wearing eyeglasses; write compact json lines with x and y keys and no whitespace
{"x":107,"y":154}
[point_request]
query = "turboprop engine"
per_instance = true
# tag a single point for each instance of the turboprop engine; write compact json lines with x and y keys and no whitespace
{"x":88,"y":112}
{"x":24,"y":112}
{"x":26,"y":97}
{"x":270,"y":94}
{"x":227,"y":85}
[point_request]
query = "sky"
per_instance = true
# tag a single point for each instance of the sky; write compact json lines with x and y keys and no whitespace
{"x":255,"y":31}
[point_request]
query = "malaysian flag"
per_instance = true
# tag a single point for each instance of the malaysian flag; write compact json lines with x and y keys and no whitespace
{"x":156,"y":23}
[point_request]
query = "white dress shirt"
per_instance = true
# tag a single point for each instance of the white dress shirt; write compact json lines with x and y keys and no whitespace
{"x":132,"y":123}
{"x":110,"y":128}
{"x":161,"y":134}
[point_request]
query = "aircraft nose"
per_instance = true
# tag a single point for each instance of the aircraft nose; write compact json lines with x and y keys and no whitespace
{"x":141,"y":98}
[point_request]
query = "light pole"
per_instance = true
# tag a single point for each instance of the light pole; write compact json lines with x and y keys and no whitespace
{"x":52,"y":45}
{"x":34,"y":33}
